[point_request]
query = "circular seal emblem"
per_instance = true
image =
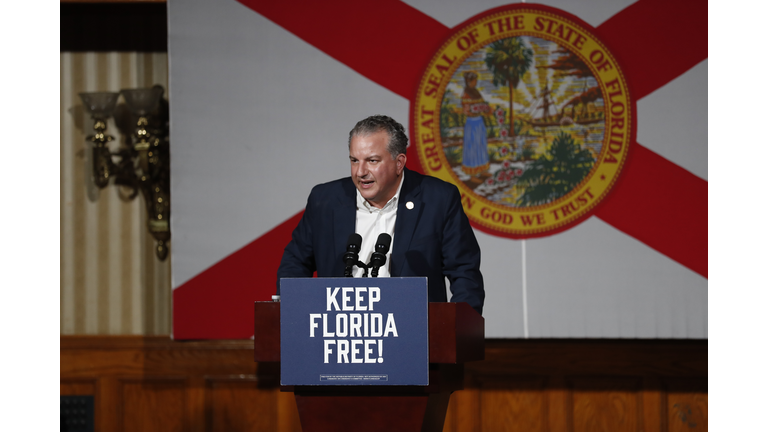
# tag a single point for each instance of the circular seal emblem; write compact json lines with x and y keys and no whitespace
{"x":529,"y":114}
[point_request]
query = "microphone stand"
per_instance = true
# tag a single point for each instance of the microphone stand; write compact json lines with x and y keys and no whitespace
{"x":378,"y":259}
{"x":351,"y":255}
{"x":379,"y":256}
{"x":348,"y":270}
{"x":364,"y":267}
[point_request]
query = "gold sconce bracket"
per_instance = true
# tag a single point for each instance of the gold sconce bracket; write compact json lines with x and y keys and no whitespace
{"x":143,"y":166}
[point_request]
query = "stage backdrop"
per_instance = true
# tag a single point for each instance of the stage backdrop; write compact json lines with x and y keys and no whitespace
{"x":264,"y":93}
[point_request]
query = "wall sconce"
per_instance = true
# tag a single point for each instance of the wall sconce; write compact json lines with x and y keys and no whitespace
{"x":143,"y":166}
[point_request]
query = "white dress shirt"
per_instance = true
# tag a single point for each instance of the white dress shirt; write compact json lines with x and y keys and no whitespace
{"x":370,"y":222}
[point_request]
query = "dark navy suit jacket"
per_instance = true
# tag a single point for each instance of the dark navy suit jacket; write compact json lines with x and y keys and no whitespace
{"x":432,"y":239}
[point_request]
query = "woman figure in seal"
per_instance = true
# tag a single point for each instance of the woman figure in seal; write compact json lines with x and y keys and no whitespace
{"x":475,"y":149}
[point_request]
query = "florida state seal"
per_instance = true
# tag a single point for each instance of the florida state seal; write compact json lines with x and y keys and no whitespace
{"x":527,"y":111}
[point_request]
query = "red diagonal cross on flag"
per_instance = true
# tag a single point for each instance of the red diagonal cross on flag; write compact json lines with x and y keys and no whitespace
{"x":655,"y":201}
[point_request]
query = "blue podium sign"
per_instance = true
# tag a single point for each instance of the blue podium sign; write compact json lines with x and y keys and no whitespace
{"x":354,"y":331}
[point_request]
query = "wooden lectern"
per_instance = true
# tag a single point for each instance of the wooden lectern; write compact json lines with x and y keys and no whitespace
{"x":456,"y":335}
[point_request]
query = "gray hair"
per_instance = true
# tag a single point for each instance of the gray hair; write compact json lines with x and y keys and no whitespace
{"x":398,"y":140}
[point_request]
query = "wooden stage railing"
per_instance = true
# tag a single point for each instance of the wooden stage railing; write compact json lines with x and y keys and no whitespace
{"x":153,"y":383}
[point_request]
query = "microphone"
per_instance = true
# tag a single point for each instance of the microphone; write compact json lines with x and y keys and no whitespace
{"x":379,"y":256}
{"x":351,"y":256}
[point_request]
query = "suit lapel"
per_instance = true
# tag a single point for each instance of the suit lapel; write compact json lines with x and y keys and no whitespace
{"x":344,"y":219}
{"x":407,"y":219}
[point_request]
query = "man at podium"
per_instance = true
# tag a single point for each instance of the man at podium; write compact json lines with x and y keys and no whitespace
{"x":430,"y":234}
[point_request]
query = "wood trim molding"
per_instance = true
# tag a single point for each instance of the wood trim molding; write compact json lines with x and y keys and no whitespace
{"x":547,"y":385}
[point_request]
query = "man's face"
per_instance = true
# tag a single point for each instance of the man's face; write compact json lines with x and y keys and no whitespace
{"x":375,"y":173}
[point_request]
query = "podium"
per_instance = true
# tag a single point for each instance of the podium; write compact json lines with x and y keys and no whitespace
{"x":456,"y":336}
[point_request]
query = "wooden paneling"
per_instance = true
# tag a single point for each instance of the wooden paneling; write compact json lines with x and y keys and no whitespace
{"x":464,"y":411}
{"x":153,"y":383}
{"x":287,"y":413}
{"x":685,"y":403}
{"x":687,"y":411}
{"x":610,"y":404}
{"x":152,"y":405}
{"x":232,"y":403}
{"x":78,"y":387}
{"x":517,"y":403}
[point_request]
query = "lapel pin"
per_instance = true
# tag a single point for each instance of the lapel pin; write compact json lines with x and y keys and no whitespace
{"x":409,"y":205}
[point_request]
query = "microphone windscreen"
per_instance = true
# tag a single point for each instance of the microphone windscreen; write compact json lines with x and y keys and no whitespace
{"x":354,"y":242}
{"x":383,"y":243}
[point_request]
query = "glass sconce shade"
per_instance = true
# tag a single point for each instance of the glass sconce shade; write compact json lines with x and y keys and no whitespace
{"x":142,"y":101}
{"x":100,"y":105}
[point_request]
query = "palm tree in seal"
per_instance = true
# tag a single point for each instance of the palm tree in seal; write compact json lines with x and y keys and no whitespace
{"x":508,"y":59}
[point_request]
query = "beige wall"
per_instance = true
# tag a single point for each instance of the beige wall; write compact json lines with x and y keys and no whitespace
{"x":111,"y":281}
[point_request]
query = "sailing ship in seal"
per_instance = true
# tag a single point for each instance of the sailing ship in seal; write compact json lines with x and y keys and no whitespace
{"x":576,"y":107}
